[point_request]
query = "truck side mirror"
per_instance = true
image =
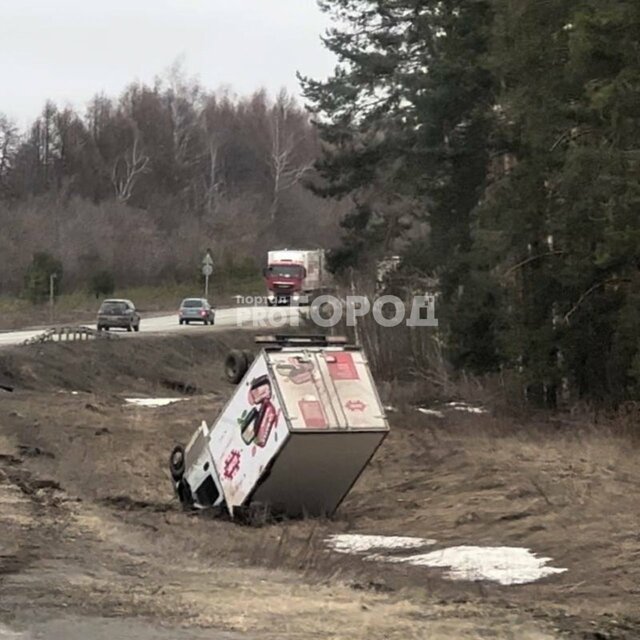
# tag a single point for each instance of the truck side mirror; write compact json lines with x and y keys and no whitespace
{"x":266,"y":271}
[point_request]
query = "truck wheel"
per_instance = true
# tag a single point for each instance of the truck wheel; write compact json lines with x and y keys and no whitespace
{"x":177,"y":462}
{"x":235,"y":366}
{"x":184,"y":494}
{"x":136,"y":327}
{"x":130,"y":328}
{"x":249,"y":356}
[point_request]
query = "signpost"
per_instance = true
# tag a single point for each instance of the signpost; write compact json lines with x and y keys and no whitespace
{"x":207,"y":270}
{"x":52,"y":279}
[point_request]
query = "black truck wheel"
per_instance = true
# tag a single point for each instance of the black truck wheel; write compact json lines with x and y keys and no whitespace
{"x":177,"y":462}
{"x":184,"y":494}
{"x":235,"y":366}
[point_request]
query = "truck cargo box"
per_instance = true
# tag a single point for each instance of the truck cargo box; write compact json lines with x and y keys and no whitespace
{"x":298,"y":431}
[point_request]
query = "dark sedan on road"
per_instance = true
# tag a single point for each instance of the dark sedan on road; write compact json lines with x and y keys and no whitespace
{"x":120,"y":314}
{"x":196,"y":310}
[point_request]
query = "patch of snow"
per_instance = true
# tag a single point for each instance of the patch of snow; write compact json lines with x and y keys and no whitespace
{"x":504,"y":565}
{"x":5,"y":632}
{"x":431,"y":412}
{"x":356,"y":543}
{"x":463,"y":406}
{"x":152,"y":402}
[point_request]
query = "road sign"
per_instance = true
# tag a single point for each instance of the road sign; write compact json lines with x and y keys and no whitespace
{"x":207,"y":270}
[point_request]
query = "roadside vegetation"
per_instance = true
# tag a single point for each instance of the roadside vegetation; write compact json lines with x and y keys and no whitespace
{"x":494,"y":146}
{"x":82,"y":306}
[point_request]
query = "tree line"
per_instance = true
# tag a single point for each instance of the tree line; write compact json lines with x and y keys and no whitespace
{"x":495,"y":145}
{"x":141,"y":184}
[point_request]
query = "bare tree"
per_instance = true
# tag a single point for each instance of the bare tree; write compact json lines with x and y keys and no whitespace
{"x":288,"y":161}
{"x":128,"y":168}
{"x":182,"y":96}
{"x":9,"y":139}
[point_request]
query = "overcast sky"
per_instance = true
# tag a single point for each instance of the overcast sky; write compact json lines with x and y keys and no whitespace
{"x":68,"y":50}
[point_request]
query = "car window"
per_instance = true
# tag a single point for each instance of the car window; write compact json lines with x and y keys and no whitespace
{"x":113,"y":307}
{"x":192,"y":304}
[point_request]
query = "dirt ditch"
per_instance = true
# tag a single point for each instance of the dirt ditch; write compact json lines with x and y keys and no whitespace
{"x":89,"y":525}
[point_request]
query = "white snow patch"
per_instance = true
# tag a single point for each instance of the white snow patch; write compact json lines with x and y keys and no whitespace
{"x":152,"y":402}
{"x":505,"y":565}
{"x":356,"y":543}
{"x":431,"y":412}
{"x":463,"y":406}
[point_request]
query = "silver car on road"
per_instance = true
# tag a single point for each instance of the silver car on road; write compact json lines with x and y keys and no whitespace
{"x":116,"y":313}
{"x":196,"y":310}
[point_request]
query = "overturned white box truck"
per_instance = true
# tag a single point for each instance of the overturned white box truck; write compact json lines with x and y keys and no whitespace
{"x":301,"y":426}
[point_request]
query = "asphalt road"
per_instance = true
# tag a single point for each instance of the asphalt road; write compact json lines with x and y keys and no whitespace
{"x":240,"y":317}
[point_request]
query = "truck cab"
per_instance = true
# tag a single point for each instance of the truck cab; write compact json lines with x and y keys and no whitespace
{"x":284,"y":280}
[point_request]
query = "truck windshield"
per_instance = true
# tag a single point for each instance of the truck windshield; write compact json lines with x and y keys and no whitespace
{"x":286,"y":270}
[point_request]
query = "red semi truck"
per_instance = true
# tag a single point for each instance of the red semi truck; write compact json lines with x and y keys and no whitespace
{"x":295,"y":275}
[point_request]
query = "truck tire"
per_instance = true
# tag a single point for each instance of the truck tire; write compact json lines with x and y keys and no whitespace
{"x":184,"y":494}
{"x":235,"y":366}
{"x":249,"y":356}
{"x":177,"y":462}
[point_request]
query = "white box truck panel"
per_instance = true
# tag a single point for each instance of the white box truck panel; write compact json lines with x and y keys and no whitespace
{"x":327,"y":390}
{"x":247,"y":435}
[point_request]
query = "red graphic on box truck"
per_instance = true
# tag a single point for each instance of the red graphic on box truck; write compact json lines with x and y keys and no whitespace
{"x":356,"y":405}
{"x":312,"y":414}
{"x":232,"y":465}
{"x":256,"y":425}
{"x":341,"y":366}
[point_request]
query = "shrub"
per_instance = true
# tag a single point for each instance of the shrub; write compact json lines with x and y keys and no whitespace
{"x":37,"y":277}
{"x":102,"y":283}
